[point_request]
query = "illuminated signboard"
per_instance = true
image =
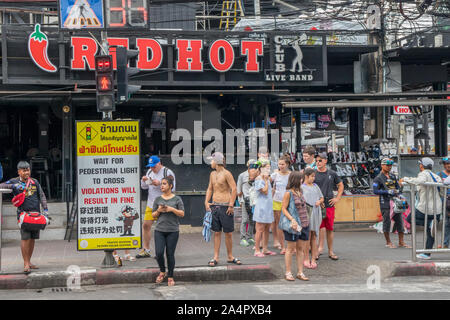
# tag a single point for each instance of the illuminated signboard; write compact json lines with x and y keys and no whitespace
{"x":81,"y":14}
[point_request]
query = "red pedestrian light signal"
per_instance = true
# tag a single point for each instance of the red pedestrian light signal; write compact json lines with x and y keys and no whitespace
{"x":104,"y":83}
{"x":103,"y":64}
{"x":104,"y":77}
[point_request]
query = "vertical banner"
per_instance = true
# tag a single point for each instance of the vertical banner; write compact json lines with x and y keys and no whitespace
{"x":108,"y":168}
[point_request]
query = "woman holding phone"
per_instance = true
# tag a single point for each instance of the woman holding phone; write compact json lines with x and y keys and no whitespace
{"x":168,"y":209}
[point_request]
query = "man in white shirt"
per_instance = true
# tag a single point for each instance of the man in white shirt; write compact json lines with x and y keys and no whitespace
{"x":152,"y":182}
{"x":429,"y":202}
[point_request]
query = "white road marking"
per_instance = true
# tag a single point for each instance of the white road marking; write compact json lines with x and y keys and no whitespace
{"x":300,"y":289}
{"x":176,"y":292}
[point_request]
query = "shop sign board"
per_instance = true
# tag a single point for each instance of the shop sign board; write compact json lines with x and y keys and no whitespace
{"x":401,"y":110}
{"x":108,"y":172}
{"x":192,"y":59}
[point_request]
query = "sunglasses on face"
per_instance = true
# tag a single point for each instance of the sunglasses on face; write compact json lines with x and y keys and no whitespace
{"x":319,"y":160}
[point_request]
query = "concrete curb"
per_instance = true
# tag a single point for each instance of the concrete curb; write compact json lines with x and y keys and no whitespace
{"x":60,"y":279}
{"x":408,"y":269}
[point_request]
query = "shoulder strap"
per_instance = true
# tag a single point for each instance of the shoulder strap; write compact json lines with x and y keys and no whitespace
{"x":432,"y":177}
{"x":165,"y":172}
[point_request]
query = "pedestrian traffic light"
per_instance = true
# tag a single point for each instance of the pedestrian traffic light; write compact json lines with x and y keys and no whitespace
{"x":124,"y":72}
{"x":104,"y":78}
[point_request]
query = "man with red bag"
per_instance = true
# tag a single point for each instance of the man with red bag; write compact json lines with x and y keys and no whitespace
{"x":28,"y":197}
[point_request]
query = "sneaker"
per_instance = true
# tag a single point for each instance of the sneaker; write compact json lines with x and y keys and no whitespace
{"x":423,"y":256}
{"x":143,"y":254}
{"x":244,"y":243}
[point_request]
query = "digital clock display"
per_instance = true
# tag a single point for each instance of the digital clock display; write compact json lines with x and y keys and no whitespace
{"x":126,"y":13}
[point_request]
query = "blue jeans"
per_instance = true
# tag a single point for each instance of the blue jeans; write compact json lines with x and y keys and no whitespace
{"x":447,"y":231}
{"x":420,"y":221}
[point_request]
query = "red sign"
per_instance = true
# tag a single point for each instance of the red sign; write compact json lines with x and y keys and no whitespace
{"x":221,"y":54}
{"x":402,"y":110}
{"x":37,"y":48}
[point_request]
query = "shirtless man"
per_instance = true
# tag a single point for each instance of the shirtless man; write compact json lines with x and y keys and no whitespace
{"x":222,"y":188}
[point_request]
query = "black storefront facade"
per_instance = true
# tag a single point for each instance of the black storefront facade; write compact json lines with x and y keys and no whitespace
{"x":222,"y":87}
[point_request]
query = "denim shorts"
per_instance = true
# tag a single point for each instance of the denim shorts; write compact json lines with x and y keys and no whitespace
{"x":304,"y":235}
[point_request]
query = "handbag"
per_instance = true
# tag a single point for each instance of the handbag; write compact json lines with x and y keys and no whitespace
{"x":285,"y":224}
{"x":32,"y":221}
{"x":18,"y":200}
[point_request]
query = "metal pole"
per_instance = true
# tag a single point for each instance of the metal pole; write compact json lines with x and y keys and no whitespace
{"x":413,"y":223}
{"x":2,"y":191}
{"x":434,"y":219}
{"x":108,"y":261}
{"x":425,"y":224}
{"x":444,"y":213}
{"x":1,"y":227}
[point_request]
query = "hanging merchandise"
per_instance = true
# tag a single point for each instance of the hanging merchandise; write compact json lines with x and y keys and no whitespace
{"x":351,"y":167}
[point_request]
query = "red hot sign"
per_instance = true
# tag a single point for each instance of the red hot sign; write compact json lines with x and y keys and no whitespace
{"x":221,"y":54}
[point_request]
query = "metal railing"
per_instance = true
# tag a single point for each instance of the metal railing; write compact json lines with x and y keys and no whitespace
{"x":430,"y":187}
{"x":2,"y":191}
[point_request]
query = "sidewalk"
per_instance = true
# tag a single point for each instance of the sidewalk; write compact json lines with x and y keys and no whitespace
{"x":356,"y":250}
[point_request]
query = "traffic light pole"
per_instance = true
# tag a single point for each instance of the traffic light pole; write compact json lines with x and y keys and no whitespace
{"x":108,"y":260}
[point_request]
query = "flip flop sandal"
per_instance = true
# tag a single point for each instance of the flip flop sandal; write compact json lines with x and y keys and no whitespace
{"x":160,"y":278}
{"x":212,"y":263}
{"x":333,"y":257}
{"x":27,"y":270}
{"x":404,"y":246}
{"x":32,"y":266}
{"x":391,"y":246}
{"x":259,"y":255}
{"x":313,"y":265}
{"x":307,"y":265}
{"x":235,"y":261}
{"x":269,"y":253}
{"x":289,"y":277}
{"x":302,"y":276}
{"x":170,"y":282}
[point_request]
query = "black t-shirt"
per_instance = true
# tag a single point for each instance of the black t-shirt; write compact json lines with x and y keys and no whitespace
{"x":381,"y":186}
{"x":327,"y":182}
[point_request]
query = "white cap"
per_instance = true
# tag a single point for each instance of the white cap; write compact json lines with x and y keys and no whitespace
{"x":217,"y":157}
{"x":426,"y":162}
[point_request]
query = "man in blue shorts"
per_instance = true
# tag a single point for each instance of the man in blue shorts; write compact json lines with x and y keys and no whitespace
{"x":222,"y":189}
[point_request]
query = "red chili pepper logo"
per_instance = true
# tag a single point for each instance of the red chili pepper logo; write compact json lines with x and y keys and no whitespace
{"x":37,"y":47}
